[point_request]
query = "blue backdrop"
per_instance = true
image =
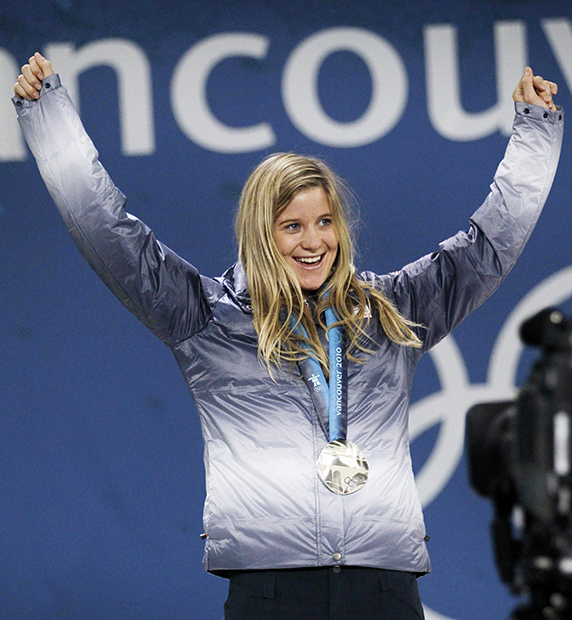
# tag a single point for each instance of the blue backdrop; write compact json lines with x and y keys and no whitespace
{"x":101,"y":472}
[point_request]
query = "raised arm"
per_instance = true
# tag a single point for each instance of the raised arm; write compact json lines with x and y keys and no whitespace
{"x":440,"y":289}
{"x":161,"y":289}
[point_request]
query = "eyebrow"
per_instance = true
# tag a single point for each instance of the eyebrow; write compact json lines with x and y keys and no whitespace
{"x":279,"y":222}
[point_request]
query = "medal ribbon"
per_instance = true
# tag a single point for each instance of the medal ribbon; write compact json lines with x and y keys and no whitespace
{"x":330,"y":400}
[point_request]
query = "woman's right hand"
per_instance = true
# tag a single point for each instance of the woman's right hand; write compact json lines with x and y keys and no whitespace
{"x":30,"y":80}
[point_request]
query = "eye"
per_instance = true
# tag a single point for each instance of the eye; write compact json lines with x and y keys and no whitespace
{"x":293,"y":226}
{"x":326,"y":221}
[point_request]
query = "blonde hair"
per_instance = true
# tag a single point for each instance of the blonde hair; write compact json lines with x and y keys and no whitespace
{"x":276,"y":296}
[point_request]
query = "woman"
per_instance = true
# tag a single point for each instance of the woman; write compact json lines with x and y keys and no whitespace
{"x":311,"y":507}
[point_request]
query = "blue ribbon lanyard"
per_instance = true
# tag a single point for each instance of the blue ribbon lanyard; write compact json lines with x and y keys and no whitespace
{"x":330,"y":398}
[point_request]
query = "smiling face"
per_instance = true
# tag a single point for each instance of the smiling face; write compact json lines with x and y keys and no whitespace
{"x":306,"y":237}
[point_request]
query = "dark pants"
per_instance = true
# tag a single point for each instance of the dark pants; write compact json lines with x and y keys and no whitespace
{"x":346,"y":593}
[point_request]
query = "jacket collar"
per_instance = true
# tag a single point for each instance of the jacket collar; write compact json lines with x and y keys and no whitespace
{"x":235,"y":284}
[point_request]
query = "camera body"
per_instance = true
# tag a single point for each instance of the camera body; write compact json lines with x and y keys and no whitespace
{"x":520,"y":456}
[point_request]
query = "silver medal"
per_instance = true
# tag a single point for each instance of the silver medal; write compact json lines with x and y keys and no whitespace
{"x":342,"y":467}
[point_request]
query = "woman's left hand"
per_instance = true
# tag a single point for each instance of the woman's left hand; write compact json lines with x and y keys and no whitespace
{"x":535,"y":90}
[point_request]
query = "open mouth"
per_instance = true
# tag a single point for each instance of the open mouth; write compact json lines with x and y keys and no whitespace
{"x":309,"y":261}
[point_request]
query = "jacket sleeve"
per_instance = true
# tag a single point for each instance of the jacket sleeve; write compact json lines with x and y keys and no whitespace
{"x":439,"y":290}
{"x":156,"y":285}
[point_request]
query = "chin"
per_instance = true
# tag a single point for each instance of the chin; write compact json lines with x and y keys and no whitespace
{"x":310,"y":287}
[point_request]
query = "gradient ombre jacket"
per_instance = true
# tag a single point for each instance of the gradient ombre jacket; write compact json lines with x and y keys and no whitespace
{"x":265,"y":506}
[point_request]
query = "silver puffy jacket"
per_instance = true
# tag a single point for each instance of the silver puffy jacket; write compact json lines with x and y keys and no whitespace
{"x":265,"y":506}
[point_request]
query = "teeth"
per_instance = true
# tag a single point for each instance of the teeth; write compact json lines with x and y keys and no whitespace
{"x":310,"y":261}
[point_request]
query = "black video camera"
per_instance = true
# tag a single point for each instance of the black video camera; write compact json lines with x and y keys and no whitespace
{"x":520,"y":456}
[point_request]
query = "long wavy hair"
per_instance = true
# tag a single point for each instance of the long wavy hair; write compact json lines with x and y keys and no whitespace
{"x":277,"y":299}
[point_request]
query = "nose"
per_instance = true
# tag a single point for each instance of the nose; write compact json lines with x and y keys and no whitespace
{"x":311,"y":239}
